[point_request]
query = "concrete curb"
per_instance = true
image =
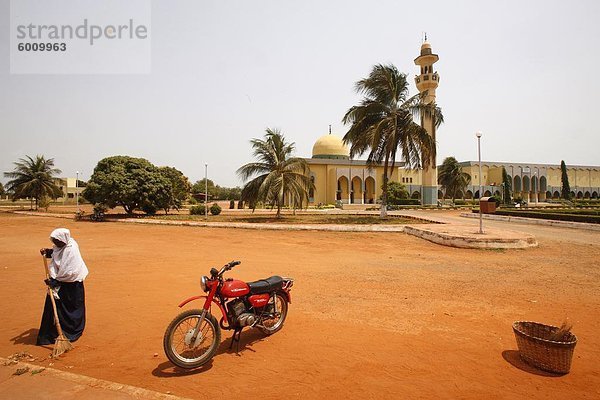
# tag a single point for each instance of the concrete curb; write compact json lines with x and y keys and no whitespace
{"x":90,"y":383}
{"x":536,"y":221}
{"x":272,"y":227}
{"x":472,"y":241}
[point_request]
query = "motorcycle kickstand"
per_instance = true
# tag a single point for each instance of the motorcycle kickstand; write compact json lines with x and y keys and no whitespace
{"x":236,"y":339}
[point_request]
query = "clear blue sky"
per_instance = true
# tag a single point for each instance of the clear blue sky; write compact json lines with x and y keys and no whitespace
{"x":523,"y":72}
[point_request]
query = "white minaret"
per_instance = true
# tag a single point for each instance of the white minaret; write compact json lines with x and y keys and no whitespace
{"x":428,"y":81}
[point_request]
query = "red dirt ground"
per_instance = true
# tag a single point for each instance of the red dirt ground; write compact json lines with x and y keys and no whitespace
{"x":374,"y":315}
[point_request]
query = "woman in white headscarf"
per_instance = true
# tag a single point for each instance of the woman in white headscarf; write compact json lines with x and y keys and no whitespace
{"x":67,"y":273}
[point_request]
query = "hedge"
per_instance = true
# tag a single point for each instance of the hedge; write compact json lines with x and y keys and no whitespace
{"x":593,"y":219}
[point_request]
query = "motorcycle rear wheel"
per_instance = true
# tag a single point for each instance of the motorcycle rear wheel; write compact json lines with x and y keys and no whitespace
{"x":271,"y":325}
{"x":183,"y":354}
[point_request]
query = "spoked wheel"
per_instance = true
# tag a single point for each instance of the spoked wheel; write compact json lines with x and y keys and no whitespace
{"x":180,"y":346}
{"x":275,"y":312}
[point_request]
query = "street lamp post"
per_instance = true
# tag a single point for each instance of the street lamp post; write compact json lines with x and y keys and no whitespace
{"x":77,"y":190}
{"x":206,"y":191}
{"x":478,"y":134}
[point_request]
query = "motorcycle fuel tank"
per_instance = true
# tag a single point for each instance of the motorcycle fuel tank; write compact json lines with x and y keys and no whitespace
{"x":234,"y":288}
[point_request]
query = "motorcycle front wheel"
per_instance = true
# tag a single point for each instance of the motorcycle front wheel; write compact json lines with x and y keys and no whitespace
{"x":272,"y":321}
{"x":179,"y":344}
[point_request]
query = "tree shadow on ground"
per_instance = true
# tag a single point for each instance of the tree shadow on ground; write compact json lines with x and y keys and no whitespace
{"x":514,"y":358}
{"x":247,"y":339}
{"x":27,"y":337}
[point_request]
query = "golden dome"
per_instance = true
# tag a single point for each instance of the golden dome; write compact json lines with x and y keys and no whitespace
{"x":330,"y":146}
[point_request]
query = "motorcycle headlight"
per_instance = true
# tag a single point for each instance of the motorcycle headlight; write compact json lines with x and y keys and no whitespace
{"x":203,"y":283}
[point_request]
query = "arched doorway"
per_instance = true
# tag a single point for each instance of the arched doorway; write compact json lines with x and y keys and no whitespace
{"x":543,"y":184}
{"x":517,"y":186}
{"x":476,"y":195}
{"x":342,"y":189}
{"x":556,"y":194}
{"x":594,"y":195}
{"x":416,"y":195}
{"x":356,"y":195}
{"x":526,"y":184}
{"x":487,"y":193}
{"x":548,"y":195}
{"x":369,"y":190}
{"x":580,"y":194}
{"x":526,"y":188}
{"x":587,"y":195}
{"x":469,"y":195}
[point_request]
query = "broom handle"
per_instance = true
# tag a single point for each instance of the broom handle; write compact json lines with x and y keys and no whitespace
{"x":56,"y":321}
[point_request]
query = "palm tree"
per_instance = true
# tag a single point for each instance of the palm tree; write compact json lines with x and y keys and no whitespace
{"x":33,"y":177}
{"x":452,"y":178}
{"x":278,"y":175}
{"x":383,"y":124}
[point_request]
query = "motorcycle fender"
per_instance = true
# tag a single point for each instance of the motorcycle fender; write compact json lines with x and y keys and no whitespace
{"x":183,"y":303}
{"x":286,"y":295}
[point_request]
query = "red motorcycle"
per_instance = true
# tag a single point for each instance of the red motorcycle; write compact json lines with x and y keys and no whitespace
{"x":193,"y":337}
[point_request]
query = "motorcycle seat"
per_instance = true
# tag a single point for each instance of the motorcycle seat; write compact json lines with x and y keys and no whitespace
{"x":266,"y":285}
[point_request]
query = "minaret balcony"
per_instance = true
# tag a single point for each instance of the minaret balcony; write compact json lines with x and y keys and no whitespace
{"x":427,"y":77}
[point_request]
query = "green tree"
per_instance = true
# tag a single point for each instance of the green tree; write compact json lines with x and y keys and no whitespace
{"x":564,"y":177}
{"x":200,"y":187}
{"x":180,"y":187}
{"x":383,"y":124}
{"x":452,"y":178}
{"x":133,"y":183}
{"x":506,"y":187}
{"x":277,"y":175}
{"x":34,"y":178}
{"x":396,"y":191}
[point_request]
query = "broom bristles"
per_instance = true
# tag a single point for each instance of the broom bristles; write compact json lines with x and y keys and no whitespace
{"x":62,"y":345}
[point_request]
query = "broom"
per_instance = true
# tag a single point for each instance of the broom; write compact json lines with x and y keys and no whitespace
{"x":62,"y":344}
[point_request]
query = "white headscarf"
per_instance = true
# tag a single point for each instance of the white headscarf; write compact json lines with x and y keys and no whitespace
{"x":67,"y":265}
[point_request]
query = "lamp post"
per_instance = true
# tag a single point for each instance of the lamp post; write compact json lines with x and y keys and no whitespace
{"x":206,"y":191}
{"x":77,"y":189}
{"x":478,"y":134}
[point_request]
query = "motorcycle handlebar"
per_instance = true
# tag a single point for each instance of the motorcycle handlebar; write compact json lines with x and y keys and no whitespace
{"x":229,"y":266}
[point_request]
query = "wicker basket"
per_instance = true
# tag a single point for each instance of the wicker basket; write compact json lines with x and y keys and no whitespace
{"x":536,"y":348}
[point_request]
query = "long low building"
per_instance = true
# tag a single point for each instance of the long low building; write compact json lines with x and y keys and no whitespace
{"x":337,"y":178}
{"x":532,"y":182}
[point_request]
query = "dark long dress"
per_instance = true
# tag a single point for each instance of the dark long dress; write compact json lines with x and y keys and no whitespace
{"x":71,"y":314}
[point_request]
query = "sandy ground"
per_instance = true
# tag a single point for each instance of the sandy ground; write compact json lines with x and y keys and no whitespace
{"x":374,"y":315}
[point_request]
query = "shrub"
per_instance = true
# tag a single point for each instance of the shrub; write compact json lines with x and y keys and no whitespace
{"x":594,"y":219}
{"x":192,"y":200}
{"x":231,"y":204}
{"x":215,"y":209}
{"x":44,"y":202}
{"x":497,"y":199}
{"x":198,"y":210}
{"x":100,"y":208}
{"x":240,"y":204}
{"x":396,"y":193}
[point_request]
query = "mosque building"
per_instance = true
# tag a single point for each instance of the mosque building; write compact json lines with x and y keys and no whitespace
{"x":337,"y":178}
